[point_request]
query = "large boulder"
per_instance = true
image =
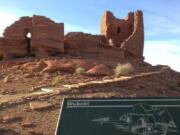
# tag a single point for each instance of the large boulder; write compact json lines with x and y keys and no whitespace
{"x":68,"y":65}
{"x":39,"y":66}
{"x":100,"y":70}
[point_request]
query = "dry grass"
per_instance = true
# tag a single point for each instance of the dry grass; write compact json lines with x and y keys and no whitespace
{"x":57,"y":80}
{"x":80,"y":70}
{"x":123,"y":69}
{"x":6,"y":79}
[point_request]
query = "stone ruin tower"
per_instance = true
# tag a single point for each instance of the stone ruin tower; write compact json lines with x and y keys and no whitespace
{"x":127,"y":33}
{"x":119,"y":39}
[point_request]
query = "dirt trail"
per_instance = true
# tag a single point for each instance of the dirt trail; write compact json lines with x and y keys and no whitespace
{"x":51,"y":91}
{"x":110,"y":81}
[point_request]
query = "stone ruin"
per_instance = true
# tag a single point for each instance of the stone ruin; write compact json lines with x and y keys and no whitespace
{"x":46,"y":37}
{"x":125,"y":33}
{"x":120,"y":39}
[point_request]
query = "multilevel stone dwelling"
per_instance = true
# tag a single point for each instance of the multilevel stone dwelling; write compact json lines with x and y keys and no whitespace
{"x":119,"y":39}
{"x":126,"y":33}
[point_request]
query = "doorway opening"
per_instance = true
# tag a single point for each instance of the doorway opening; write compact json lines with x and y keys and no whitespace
{"x":28,"y":42}
{"x":118,"y":29}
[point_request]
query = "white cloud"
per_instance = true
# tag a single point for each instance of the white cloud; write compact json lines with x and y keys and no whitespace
{"x":175,"y":30}
{"x":161,"y":24}
{"x":163,"y":52}
{"x":6,"y":20}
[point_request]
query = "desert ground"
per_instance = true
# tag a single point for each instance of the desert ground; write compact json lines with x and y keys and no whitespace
{"x":30,"y":100}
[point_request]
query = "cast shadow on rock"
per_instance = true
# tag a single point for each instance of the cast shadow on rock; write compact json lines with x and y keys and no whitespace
{"x":8,"y":132}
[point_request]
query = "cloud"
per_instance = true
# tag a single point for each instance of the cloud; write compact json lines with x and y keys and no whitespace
{"x":163,"y":52}
{"x":156,"y":24}
{"x":6,"y":20}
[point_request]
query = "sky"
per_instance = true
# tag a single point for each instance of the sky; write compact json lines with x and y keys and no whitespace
{"x":161,"y":21}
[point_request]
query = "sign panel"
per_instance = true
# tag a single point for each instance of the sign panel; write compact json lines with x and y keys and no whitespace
{"x":120,"y":116}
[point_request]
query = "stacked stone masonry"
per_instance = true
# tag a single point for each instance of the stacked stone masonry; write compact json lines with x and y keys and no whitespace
{"x":46,"y":37}
{"x":119,"y":38}
{"x":127,"y":33}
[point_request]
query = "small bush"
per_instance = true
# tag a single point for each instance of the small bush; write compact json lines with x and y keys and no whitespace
{"x":1,"y":58}
{"x":57,"y":80}
{"x":123,"y":69}
{"x":6,"y":79}
{"x":46,"y":75}
{"x":80,"y":70}
{"x":173,"y":88}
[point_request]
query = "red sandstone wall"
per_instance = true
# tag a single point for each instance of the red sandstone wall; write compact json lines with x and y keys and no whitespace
{"x":18,"y":29}
{"x":84,"y":45}
{"x":14,"y":48}
{"x":1,"y":45}
{"x":135,"y":43}
{"x":130,"y":19}
{"x":78,"y":43}
{"x":110,"y":25}
{"x":14,"y":38}
{"x":131,"y":36}
{"x":47,"y":35}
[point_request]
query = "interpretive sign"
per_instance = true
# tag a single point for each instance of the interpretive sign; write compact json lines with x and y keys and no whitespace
{"x":120,"y":116}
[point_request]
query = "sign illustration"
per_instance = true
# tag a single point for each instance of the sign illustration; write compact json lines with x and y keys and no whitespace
{"x":144,"y":120}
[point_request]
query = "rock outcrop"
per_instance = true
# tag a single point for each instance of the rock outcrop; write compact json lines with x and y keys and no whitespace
{"x":100,"y":70}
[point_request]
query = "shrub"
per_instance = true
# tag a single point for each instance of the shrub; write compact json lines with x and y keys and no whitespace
{"x":80,"y":70}
{"x":1,"y":58}
{"x":46,"y":75}
{"x":6,"y":79}
{"x":57,"y":80}
{"x":123,"y":69}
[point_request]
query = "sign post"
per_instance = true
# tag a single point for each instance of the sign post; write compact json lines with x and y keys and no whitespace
{"x":120,"y":116}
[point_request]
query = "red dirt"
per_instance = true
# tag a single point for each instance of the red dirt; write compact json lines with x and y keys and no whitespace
{"x":17,"y":118}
